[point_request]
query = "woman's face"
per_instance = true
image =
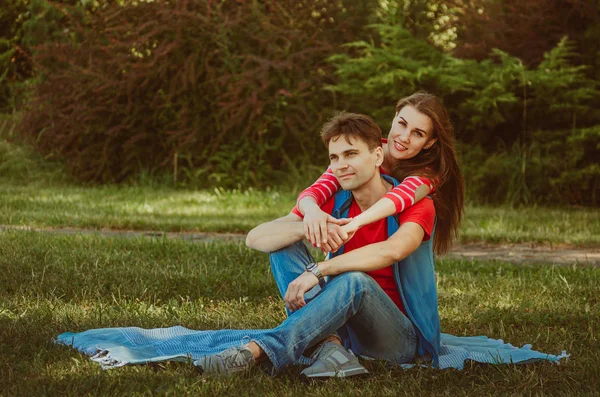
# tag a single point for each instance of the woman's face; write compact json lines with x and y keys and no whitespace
{"x":411,"y":132}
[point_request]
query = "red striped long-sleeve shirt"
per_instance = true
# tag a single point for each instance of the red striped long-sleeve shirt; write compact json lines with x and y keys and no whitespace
{"x":403,"y":195}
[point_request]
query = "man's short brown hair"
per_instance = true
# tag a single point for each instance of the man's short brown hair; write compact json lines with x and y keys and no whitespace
{"x":352,"y":124}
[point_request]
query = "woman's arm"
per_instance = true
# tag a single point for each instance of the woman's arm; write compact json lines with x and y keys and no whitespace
{"x":398,"y":199}
{"x":406,"y":194}
{"x":322,"y":190}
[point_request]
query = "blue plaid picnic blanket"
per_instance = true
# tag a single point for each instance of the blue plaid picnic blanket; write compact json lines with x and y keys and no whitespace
{"x":115,"y":347}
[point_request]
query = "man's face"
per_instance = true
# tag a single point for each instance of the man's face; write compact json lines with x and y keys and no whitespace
{"x":352,"y":162}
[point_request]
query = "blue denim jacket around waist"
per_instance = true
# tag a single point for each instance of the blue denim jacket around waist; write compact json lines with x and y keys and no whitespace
{"x":415,"y":279}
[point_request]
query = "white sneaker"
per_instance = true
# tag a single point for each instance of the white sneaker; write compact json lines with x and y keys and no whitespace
{"x":235,"y":360}
{"x":332,"y":360}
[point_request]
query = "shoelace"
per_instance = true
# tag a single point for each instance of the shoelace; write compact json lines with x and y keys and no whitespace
{"x":325,"y":348}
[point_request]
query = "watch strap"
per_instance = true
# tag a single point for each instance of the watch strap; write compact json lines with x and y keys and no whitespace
{"x":314,"y":269}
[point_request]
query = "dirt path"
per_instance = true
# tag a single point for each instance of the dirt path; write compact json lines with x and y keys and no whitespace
{"x":514,"y":253}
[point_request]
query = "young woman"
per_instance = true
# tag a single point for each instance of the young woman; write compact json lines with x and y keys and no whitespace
{"x":419,"y":152}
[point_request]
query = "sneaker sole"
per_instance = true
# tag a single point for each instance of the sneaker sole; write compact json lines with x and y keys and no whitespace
{"x":339,"y":374}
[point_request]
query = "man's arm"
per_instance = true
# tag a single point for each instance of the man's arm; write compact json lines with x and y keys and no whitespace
{"x":378,"y":255}
{"x":276,"y":234}
{"x":368,"y":258}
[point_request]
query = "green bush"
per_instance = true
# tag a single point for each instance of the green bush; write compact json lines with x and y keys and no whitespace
{"x":233,"y":94}
{"x":20,"y":164}
{"x":227,"y":93}
{"x":527,"y":135}
{"x":15,"y":61}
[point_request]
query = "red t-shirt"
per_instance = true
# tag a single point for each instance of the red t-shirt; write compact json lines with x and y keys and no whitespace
{"x":422,"y":213}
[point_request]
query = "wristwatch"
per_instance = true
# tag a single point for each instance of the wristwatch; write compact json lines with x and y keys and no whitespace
{"x":314,"y":269}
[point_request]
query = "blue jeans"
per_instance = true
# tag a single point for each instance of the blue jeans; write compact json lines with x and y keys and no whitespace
{"x":351,"y":304}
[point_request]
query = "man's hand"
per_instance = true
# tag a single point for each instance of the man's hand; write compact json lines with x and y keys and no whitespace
{"x":315,"y":225}
{"x":337,"y":236}
{"x":294,"y":296}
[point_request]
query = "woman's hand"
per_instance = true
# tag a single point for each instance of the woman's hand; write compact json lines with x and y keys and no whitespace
{"x":350,"y":228}
{"x":315,"y":225}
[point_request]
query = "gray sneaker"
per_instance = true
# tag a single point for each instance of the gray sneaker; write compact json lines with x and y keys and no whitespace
{"x":332,"y":360}
{"x":235,"y":360}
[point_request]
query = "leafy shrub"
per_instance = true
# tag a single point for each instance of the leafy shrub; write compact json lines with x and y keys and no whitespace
{"x":502,"y":110}
{"x":525,"y":29}
{"x":15,"y":61}
{"x":225,"y":93}
{"x":19,"y":164}
{"x":233,"y":93}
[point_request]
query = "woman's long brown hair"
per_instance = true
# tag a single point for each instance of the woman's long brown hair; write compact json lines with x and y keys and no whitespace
{"x":440,"y":164}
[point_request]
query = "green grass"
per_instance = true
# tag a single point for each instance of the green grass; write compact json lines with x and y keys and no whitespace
{"x":140,"y":208}
{"x":537,"y":225}
{"x":50,"y":284}
{"x":217,"y":210}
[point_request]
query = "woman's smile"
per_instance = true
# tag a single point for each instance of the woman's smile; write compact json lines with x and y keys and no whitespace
{"x":400,"y":147}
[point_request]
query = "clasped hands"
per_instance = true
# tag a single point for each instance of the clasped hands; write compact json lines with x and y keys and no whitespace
{"x":326,"y":232}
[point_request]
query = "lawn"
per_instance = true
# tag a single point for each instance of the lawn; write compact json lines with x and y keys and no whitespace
{"x":50,"y":284}
{"x":217,"y":210}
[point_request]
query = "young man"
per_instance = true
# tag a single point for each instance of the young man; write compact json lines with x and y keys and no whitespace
{"x":370,"y":305}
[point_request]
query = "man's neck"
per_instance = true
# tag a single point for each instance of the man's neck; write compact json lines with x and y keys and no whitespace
{"x":369,"y":193}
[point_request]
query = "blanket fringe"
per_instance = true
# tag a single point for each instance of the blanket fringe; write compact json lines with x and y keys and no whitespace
{"x":106,"y":360}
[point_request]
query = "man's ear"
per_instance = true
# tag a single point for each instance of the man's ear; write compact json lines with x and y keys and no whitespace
{"x":430,"y":143}
{"x":379,"y":154}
